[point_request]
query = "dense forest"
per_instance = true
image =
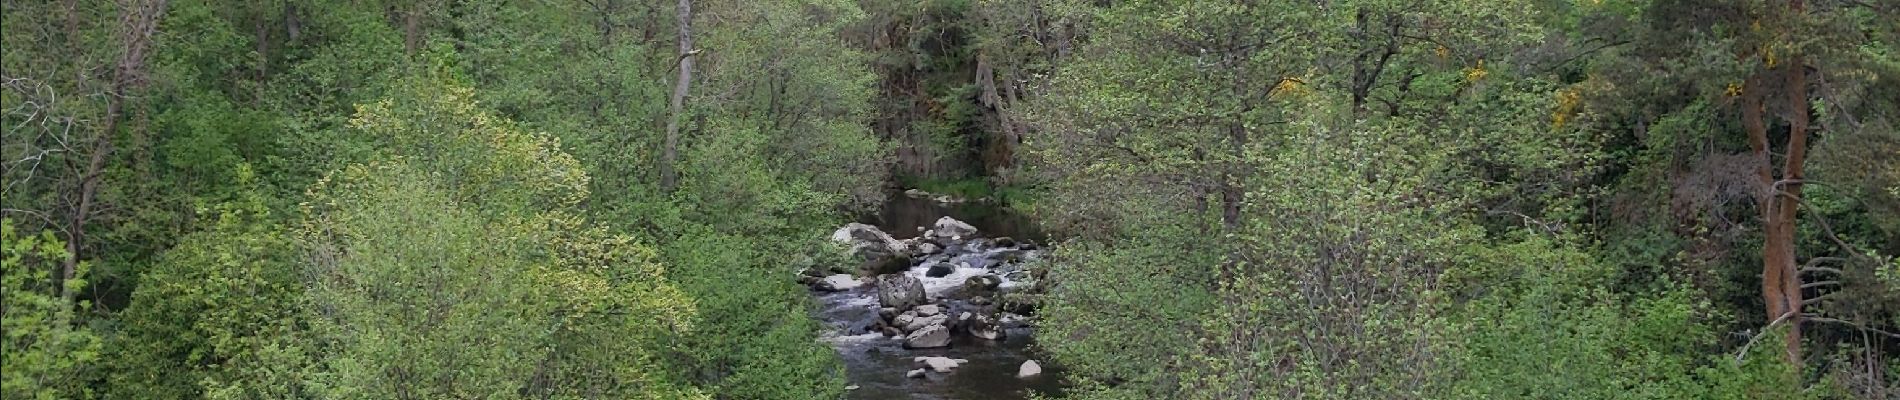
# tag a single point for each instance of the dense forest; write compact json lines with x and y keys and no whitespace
{"x":1254,"y":199}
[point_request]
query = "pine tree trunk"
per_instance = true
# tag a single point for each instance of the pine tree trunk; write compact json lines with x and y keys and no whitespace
{"x":1788,"y":201}
{"x":1779,"y":199}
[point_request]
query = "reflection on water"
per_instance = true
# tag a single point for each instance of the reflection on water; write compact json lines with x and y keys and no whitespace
{"x":901,"y":215}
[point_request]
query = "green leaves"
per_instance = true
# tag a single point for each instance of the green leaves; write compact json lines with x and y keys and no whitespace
{"x":1371,"y":188}
{"x":218,"y":315}
{"x":463,"y":235}
{"x":46,"y":346}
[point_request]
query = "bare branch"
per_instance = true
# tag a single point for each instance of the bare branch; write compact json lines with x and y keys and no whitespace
{"x":1825,"y":226}
{"x":1856,"y":325}
{"x":1813,"y":263}
{"x":1816,"y":299}
{"x":1764,"y":332}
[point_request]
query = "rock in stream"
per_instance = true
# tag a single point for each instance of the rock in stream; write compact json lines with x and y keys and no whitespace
{"x":935,"y":309}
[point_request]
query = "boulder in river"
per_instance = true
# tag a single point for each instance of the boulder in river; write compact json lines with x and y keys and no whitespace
{"x":876,"y":261}
{"x":932,"y":336}
{"x":921,"y":323}
{"x":952,"y":228}
{"x":915,"y":374}
{"x":1029,"y":369}
{"x":939,"y":270}
{"x":838,"y":283}
{"x":982,"y":283}
{"x":857,"y":234}
{"x":940,"y":364}
{"x":1015,"y":306}
{"x":878,"y":252}
{"x":984,"y":326}
{"x":928,"y":310}
{"x":979,"y":260}
{"x":899,"y":291}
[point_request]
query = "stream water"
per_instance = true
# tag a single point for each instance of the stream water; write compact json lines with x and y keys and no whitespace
{"x":877,"y":364}
{"x":901,"y":215}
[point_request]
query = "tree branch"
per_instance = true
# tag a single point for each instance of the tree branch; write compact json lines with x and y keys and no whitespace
{"x":1825,"y":227}
{"x":1764,"y":332}
{"x":1856,"y":325}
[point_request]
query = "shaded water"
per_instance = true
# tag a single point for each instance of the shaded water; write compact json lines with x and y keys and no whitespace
{"x":901,"y":215}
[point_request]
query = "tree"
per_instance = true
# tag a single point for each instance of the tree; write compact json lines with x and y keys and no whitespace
{"x":1786,"y":90}
{"x":464,"y":233}
{"x":138,"y":22}
{"x":218,"y":316}
{"x":669,"y":154}
{"x":46,"y":349}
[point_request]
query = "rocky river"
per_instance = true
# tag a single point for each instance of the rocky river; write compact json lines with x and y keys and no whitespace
{"x":933,"y":313}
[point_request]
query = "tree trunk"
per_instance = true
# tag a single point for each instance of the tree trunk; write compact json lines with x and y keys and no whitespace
{"x":137,"y":23}
{"x":1788,"y":201}
{"x":1233,"y":195}
{"x":1779,"y":199}
{"x":1001,"y":151}
{"x":412,"y":29}
{"x":669,"y":153}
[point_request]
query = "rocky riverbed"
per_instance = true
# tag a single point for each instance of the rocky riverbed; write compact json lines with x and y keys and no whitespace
{"x":935,"y":316}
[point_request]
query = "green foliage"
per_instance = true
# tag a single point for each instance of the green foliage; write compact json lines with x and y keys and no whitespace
{"x":218,"y":315}
{"x":47,"y":348}
{"x":1121,"y":315}
{"x":1545,"y":324}
{"x":1279,"y":199}
{"x":782,"y":67}
{"x":756,"y":337}
{"x":460,"y":237}
{"x":1375,"y":183}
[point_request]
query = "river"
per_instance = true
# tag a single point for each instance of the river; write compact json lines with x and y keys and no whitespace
{"x":876,"y":365}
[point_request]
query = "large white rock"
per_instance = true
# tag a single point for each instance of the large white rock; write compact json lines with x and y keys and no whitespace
{"x":1029,"y":369}
{"x":920,"y":323}
{"x":928,"y":310}
{"x":878,"y":252}
{"x":854,"y":233}
{"x":929,"y":337}
{"x":952,"y":228}
{"x":840,"y":283}
{"x":940,"y":364}
{"x":899,"y":291}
